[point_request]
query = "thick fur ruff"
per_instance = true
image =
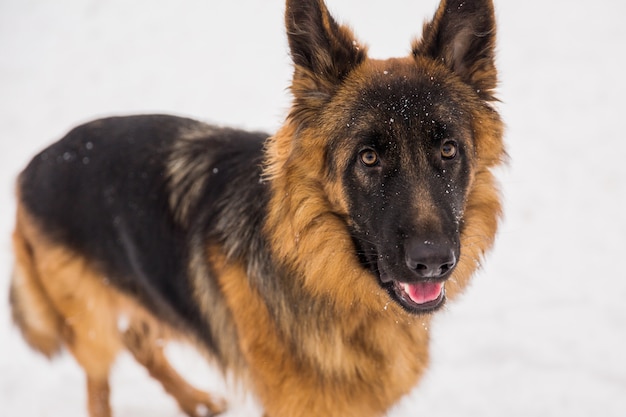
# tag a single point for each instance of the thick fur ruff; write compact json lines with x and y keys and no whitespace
{"x":307,"y":263}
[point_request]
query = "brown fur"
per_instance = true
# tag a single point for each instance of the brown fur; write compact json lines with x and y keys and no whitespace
{"x":303,"y":370}
{"x":74,"y":305}
{"x":305,"y":322}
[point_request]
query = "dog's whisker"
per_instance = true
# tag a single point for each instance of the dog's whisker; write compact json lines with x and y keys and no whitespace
{"x":306,"y":263}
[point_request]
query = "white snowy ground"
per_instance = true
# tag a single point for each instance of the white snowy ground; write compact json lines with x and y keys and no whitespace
{"x":542,"y":332}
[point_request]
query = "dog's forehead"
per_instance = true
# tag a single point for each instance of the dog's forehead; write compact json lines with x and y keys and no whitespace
{"x":404,"y":89}
{"x":398,"y":97}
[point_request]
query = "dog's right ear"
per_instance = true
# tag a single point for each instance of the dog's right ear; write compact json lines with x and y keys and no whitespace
{"x":322,"y":51}
{"x":462,"y":35}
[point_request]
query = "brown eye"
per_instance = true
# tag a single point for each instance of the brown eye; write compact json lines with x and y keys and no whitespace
{"x":449,"y":149}
{"x":369,"y":157}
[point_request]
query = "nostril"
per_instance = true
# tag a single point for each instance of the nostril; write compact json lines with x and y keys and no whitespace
{"x":429,"y":259}
{"x":420,"y":267}
{"x":444,"y":268}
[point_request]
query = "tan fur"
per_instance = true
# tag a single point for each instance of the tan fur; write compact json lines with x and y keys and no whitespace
{"x":484,"y":209}
{"x":184,"y":172}
{"x":306,"y":219}
{"x":278,"y":363}
{"x":31,"y":307}
{"x":92,"y":319}
{"x":306,"y":324}
{"x":306,"y":204}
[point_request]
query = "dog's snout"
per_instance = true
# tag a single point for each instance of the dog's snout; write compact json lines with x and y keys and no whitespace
{"x":430,"y":258}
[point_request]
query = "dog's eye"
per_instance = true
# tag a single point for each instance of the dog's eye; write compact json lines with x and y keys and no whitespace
{"x":449,"y":149}
{"x":369,"y":157}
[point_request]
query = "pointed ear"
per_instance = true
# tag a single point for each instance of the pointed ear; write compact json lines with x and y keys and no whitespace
{"x":462,"y":35}
{"x":323,"y":51}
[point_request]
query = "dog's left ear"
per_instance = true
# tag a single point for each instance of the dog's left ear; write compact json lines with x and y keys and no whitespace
{"x":323,"y":51}
{"x":462,"y":35}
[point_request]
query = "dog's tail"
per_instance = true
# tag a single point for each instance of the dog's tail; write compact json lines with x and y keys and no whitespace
{"x":32,"y":310}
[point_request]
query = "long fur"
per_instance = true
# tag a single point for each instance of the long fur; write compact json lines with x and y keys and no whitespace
{"x":295,"y":261}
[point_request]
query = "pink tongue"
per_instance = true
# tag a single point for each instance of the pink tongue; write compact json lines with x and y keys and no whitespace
{"x":423,"y":292}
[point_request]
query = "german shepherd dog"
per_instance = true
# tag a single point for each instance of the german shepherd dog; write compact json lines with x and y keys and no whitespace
{"x":307,"y":263}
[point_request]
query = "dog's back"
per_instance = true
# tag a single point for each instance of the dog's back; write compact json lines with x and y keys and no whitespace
{"x":102,"y":238}
{"x":307,"y":263}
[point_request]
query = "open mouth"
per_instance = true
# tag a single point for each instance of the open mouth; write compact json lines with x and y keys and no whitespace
{"x":417,"y":297}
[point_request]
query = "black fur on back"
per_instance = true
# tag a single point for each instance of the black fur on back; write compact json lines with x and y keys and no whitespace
{"x":121,"y":191}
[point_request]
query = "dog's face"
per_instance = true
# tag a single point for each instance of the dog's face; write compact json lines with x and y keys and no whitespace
{"x":403,"y":150}
{"x":401,"y":138}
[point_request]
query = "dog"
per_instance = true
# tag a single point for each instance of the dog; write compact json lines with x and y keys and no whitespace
{"x":307,"y":263}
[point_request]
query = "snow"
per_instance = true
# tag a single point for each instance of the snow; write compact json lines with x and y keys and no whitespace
{"x":542,"y":330}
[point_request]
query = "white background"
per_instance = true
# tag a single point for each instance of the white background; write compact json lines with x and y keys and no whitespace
{"x":542,"y":330}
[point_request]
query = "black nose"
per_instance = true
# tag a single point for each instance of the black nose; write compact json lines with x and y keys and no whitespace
{"x":430,"y":258}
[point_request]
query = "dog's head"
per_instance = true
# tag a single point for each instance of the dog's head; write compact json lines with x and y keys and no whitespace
{"x":402,"y":146}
